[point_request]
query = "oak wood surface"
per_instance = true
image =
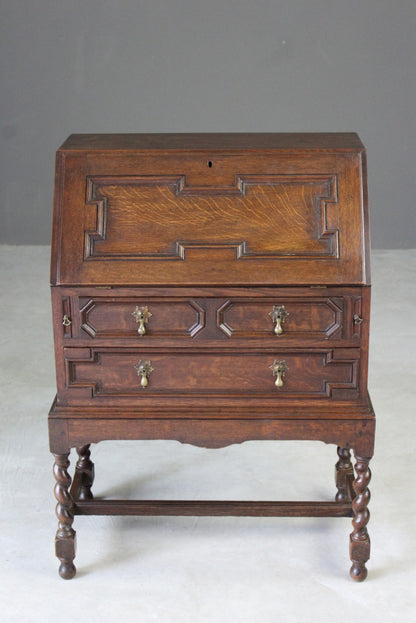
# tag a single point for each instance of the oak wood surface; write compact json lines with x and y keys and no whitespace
{"x":211,"y":232}
{"x":95,"y":374}
{"x":213,"y":508}
{"x":246,"y":215}
{"x":340,"y":141}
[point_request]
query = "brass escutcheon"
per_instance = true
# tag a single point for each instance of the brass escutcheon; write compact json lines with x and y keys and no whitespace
{"x":357,"y":319}
{"x":278,"y":315}
{"x":66,"y":320}
{"x":144,"y":368}
{"x":142,"y":315}
{"x":279,"y":369}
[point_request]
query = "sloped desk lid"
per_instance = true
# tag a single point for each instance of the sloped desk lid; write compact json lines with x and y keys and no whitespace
{"x":215,"y":209}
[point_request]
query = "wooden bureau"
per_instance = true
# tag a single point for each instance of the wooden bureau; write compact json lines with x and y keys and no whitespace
{"x":213,"y":289}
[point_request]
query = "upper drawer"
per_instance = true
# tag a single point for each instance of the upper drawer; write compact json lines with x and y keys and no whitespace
{"x":259,"y":316}
{"x":271,"y":217}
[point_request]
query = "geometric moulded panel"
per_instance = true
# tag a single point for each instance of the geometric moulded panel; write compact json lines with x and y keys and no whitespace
{"x":318,"y":317}
{"x":161,"y":218}
{"x":106,"y":317}
{"x":104,"y":372}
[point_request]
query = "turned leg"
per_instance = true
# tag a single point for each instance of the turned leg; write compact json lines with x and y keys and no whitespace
{"x":65,"y":542}
{"x":359,"y":539}
{"x":344,"y":476}
{"x":84,"y":474}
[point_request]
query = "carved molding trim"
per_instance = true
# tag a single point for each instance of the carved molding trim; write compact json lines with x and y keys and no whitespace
{"x":334,"y":357}
{"x":328,"y":331}
{"x":326,"y":234}
{"x":324,"y":388}
{"x":92,"y":331}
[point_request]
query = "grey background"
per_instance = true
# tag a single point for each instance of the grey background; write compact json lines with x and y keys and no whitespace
{"x":206,"y":65}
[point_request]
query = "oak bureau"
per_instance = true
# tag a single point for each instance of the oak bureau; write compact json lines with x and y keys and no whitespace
{"x":211,"y":289}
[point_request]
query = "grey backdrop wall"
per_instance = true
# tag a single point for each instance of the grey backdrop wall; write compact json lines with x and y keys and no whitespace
{"x":207,"y":65}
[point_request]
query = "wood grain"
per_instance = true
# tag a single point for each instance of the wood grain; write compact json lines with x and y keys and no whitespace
{"x":150,"y":218}
{"x":210,"y":232}
{"x":339,"y":141}
{"x":284,"y":214}
{"x":213,"y":508}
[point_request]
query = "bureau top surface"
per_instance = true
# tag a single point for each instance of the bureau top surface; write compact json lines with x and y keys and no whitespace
{"x":210,"y":209}
{"x":338,"y":141}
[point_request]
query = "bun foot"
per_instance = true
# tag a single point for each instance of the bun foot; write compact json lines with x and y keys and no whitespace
{"x":67,"y":570}
{"x":358,"y":571}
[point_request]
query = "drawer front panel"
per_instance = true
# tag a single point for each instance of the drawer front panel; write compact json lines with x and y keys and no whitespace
{"x":283,"y":318}
{"x":104,"y":373}
{"x":121,"y":317}
{"x":275,"y":319}
{"x":173,"y":219}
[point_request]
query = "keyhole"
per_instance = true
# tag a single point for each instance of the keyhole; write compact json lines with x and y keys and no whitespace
{"x":210,"y":163}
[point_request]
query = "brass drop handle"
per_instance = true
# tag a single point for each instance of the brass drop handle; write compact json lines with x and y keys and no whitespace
{"x":279,"y":369}
{"x":66,"y":321}
{"x":142,"y":315}
{"x":144,"y":369}
{"x":357,"y":319}
{"x":278,"y":315}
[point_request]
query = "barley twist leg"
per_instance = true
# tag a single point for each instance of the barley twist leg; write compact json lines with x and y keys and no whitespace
{"x":359,"y":539}
{"x":65,"y":542}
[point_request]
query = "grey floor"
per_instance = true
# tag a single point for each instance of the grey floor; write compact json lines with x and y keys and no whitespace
{"x":204,"y":569}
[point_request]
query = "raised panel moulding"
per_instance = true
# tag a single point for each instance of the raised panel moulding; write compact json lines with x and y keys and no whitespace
{"x":241,"y":326}
{"x":114,"y":324}
{"x":106,"y":372}
{"x":160,"y":218}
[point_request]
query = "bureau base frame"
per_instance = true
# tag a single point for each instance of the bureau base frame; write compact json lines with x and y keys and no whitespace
{"x":211,"y":289}
{"x":211,"y":508}
{"x":74,"y":495}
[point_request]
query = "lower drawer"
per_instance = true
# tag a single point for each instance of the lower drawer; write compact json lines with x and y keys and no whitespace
{"x":139,"y":377}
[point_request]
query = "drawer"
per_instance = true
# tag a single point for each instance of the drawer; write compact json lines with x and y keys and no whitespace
{"x":102,"y":373}
{"x":274,"y":318}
